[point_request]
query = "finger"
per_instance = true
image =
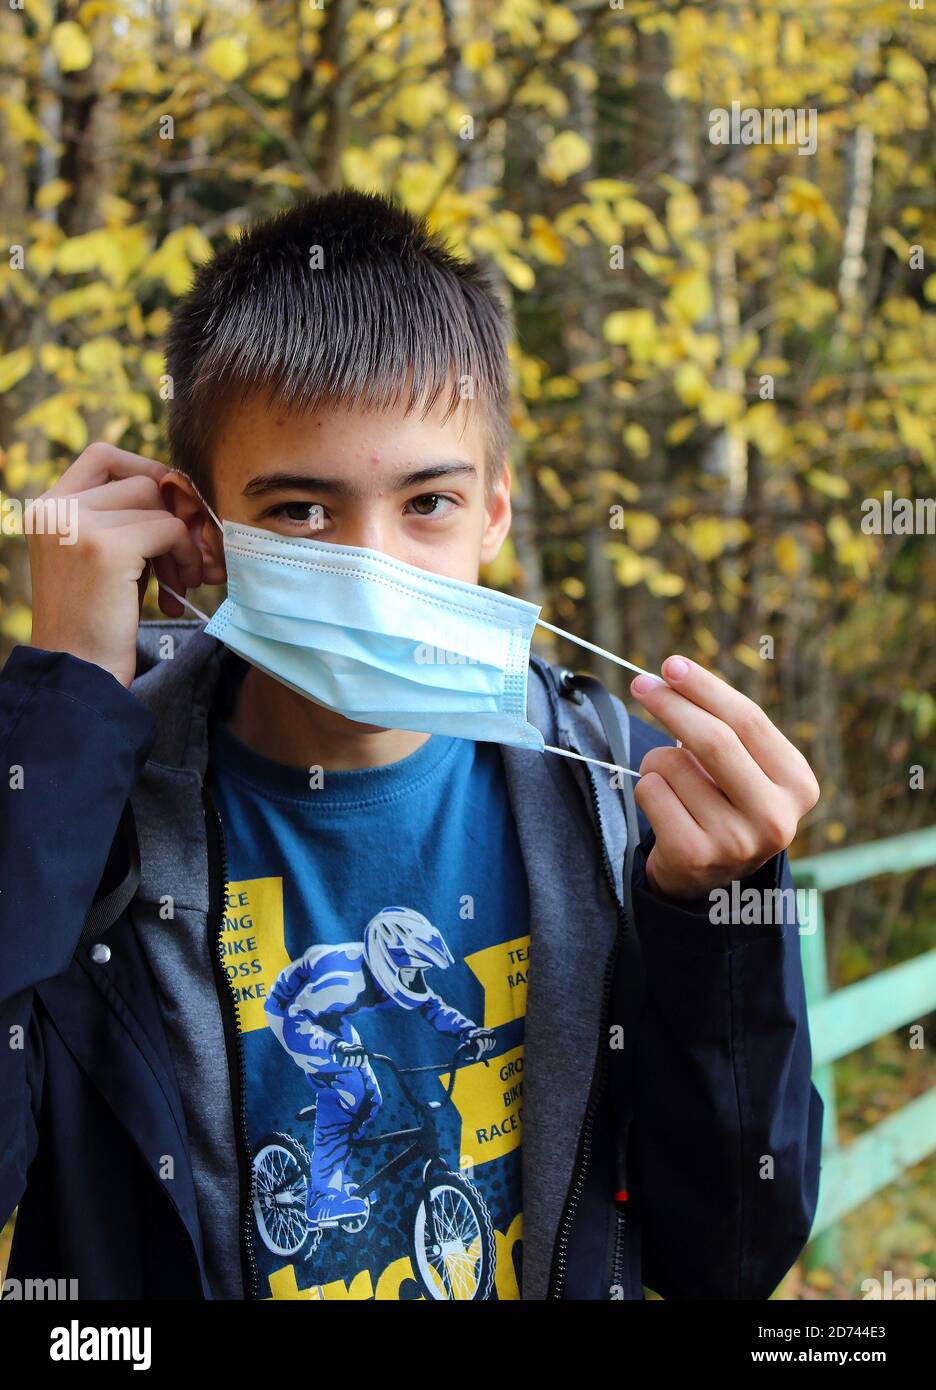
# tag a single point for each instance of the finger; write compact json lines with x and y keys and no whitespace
{"x":167,"y":572}
{"x":714,"y":743}
{"x":152,"y":535}
{"x":763,"y":740}
{"x":123,"y":517}
{"x":137,"y":493}
{"x":734,"y":839}
{"x":163,"y":569}
{"x":101,"y":463}
{"x":118,"y":503}
{"x":167,"y":535}
{"x":170,"y":606}
{"x":682,"y":771}
{"x":662,"y":807}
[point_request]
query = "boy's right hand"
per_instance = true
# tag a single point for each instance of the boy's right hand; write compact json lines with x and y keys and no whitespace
{"x":88,"y":596}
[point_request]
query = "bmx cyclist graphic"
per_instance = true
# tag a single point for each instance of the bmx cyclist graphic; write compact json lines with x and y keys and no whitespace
{"x":297,"y":1194}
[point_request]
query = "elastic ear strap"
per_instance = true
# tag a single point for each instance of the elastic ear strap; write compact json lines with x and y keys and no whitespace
{"x":580,"y":757}
{"x":213,"y":514}
{"x":185,"y":603}
{"x":581,"y":642}
{"x":540,"y":622}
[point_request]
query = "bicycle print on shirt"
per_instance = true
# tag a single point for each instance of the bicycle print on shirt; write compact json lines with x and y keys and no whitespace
{"x":399,"y":1176}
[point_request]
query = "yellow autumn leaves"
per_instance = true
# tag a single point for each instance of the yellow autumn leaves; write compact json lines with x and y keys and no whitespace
{"x":226,"y":57}
{"x":117,"y":363}
{"x":71,"y":47}
{"x":117,"y":254}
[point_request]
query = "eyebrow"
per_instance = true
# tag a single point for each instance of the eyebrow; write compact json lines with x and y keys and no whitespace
{"x":341,"y":487}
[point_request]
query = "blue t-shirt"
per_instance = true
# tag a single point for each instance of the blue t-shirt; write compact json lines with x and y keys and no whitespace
{"x":376,"y":933}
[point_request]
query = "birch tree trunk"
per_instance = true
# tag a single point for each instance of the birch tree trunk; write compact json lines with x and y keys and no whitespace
{"x":483,"y":166}
{"x":584,"y":346}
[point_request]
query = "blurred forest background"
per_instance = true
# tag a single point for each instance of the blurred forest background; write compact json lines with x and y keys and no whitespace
{"x":734,"y":345}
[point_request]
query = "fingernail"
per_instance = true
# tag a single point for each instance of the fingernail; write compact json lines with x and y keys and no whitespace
{"x":675,"y":667}
{"x":642,"y":685}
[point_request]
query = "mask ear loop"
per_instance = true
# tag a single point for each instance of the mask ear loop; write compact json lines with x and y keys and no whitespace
{"x":213,"y":514}
{"x":580,"y":757}
{"x":581,"y":642}
{"x":541,"y":622}
{"x":185,"y":603}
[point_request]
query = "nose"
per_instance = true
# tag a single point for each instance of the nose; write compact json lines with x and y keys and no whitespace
{"x":363,"y":529}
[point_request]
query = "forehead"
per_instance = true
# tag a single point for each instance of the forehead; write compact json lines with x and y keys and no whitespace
{"x":256,"y":435}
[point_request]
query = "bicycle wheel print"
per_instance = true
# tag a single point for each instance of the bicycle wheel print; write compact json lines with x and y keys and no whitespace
{"x":453,"y":1239}
{"x":281,"y":1179}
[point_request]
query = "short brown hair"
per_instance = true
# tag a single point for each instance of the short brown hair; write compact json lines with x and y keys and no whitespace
{"x":388,"y":299}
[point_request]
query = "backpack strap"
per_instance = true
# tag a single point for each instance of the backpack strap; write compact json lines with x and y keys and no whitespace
{"x":628,"y":990}
{"x":105,"y":910}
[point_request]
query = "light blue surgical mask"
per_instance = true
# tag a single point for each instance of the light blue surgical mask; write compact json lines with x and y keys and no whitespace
{"x":379,"y":641}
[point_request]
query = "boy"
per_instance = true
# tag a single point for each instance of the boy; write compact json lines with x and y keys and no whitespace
{"x":223,"y":900}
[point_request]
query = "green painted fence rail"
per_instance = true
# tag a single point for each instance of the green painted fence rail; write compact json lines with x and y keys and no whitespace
{"x":844,"y":1019}
{"x":859,"y":1013}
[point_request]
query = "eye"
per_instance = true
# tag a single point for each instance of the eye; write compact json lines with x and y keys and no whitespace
{"x":310,"y":516}
{"x":431,"y":504}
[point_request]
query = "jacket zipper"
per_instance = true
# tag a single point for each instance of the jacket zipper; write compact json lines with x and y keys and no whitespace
{"x":617,"y":1271}
{"x":560,"y":1256}
{"x":621,"y":1198}
{"x":234,"y":1044}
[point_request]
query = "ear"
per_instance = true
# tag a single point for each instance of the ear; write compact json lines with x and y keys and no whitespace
{"x":497,"y":517}
{"x":180,"y":498}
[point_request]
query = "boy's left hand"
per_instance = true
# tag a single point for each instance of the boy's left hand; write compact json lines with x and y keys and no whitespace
{"x":730,"y":798}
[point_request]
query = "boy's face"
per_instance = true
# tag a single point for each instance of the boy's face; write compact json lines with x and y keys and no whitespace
{"x":409,"y":487}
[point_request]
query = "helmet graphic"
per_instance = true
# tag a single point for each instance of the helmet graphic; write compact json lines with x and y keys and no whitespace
{"x":399,"y":946}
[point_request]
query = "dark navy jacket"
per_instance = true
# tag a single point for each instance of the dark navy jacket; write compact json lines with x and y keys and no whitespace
{"x":643,"y":1165}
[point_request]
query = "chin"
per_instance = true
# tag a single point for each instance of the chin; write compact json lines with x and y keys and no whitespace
{"x":343,"y":722}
